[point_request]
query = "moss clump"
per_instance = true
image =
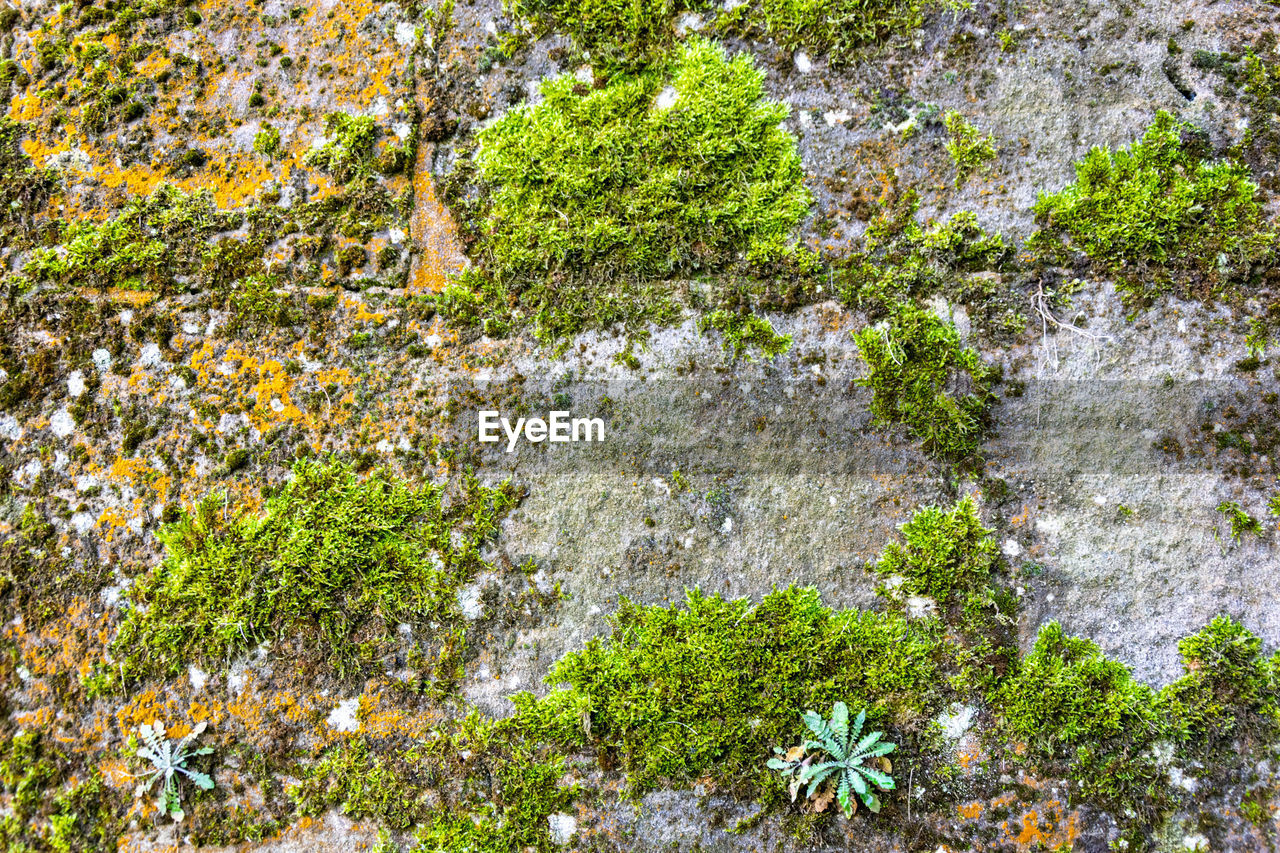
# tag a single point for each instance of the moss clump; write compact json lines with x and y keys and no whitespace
{"x":743,"y":332}
{"x":1240,"y":521}
{"x":267,"y":141}
{"x":1159,"y":210}
{"x":969,"y":149}
{"x":475,"y":786}
{"x":348,"y":152}
{"x":674,"y":693}
{"x":334,"y":561}
{"x":947,"y":558}
{"x":593,"y":199}
{"x":630,"y":36}
{"x":47,"y":808}
{"x":152,"y":240}
{"x":838,"y":29}
{"x":1067,"y":693}
{"x":1069,"y":701}
{"x":618,"y":35}
{"x":24,"y":190}
{"x":902,"y":260}
{"x":945,"y":554}
{"x":1230,"y":692}
{"x":924,"y":379}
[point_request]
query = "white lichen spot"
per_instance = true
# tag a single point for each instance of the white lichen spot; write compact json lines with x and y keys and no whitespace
{"x":584,"y":75}
{"x":101,"y":360}
{"x":61,"y":423}
{"x":727,"y":527}
{"x":803,"y":63}
{"x":198,"y":677}
{"x":396,"y":236}
{"x":75,"y":383}
{"x":82,"y":523}
{"x":401,"y":129}
{"x":74,"y":158}
{"x":277,"y":405}
{"x":957,"y":720}
{"x":835,"y":117}
{"x":1178,"y":779}
{"x":1196,"y":843}
{"x":542,"y":583}
{"x":230,"y":423}
{"x":562,"y":827}
{"x":1050,"y":524}
{"x":10,"y":428}
{"x":920,"y":606}
{"x":666,"y":98}
{"x":689,"y":22}
{"x":150,"y":356}
{"x":469,"y":601}
{"x":343,"y":717}
{"x":126,"y":316}
{"x":26,"y":475}
{"x":405,"y":34}
{"x":1011,"y":549}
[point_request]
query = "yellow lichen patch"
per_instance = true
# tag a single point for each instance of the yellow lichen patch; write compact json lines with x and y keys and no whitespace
{"x":116,"y":774}
{"x":132,"y":471}
{"x":136,"y":298}
{"x":26,"y":107}
{"x":364,"y":315}
{"x":439,"y":254}
{"x":380,"y":718}
{"x":1049,"y":826}
{"x":1052,"y":830}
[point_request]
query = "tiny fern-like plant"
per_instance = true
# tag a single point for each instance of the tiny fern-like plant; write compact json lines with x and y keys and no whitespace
{"x":838,"y":759}
{"x":168,"y":759}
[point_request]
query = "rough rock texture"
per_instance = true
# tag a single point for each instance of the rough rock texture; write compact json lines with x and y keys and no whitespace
{"x":125,"y":398}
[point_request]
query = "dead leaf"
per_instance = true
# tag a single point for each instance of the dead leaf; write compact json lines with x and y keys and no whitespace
{"x":823,"y":799}
{"x":886,"y":765}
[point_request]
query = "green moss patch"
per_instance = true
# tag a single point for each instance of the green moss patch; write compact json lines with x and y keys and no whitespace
{"x":743,"y":333}
{"x":595,"y":199}
{"x":970,"y":150}
{"x":334,"y":561}
{"x":1160,"y":211}
{"x":838,"y":29}
{"x":676,"y":692}
{"x":903,"y":260}
{"x":923,"y":378}
{"x":631,"y":35}
{"x":47,"y":807}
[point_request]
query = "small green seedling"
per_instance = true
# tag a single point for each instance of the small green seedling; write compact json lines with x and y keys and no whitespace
{"x":169,"y":758}
{"x":837,"y":758}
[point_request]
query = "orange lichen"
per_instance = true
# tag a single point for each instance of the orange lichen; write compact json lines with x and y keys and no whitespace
{"x":435,"y":237}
